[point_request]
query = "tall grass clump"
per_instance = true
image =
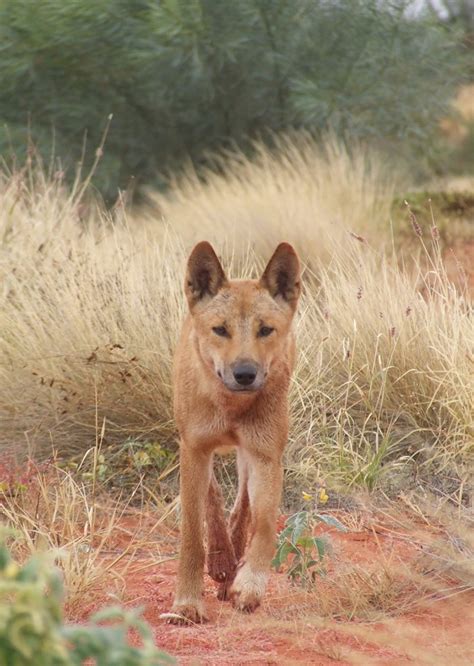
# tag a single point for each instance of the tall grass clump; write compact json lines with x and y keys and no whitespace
{"x":310,"y":196}
{"x":92,"y":302}
{"x":89,"y":315}
{"x":384,"y":381}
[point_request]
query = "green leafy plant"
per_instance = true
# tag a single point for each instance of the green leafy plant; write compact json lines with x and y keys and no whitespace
{"x":118,"y":466}
{"x":300,"y":549}
{"x":148,"y":454}
{"x":32,"y":630}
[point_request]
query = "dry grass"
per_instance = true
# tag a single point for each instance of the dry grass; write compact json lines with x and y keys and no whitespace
{"x":311,"y":197}
{"x":422,"y":605}
{"x":58,"y":514}
{"x":384,"y":371}
{"x":98,"y":342}
{"x":91,"y":303}
{"x":93,"y":538}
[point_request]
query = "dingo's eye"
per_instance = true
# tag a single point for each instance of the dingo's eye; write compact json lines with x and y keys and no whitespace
{"x":264,"y":331}
{"x":222,"y":331}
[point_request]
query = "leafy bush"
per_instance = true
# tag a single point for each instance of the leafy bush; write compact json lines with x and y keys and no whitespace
{"x":32,"y":629}
{"x":184,"y":76}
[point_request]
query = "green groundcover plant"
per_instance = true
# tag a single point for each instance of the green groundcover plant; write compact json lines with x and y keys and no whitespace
{"x":33,"y":633}
{"x":300,"y":550}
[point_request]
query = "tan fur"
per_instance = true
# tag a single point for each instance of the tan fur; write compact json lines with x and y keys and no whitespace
{"x":213,"y":410}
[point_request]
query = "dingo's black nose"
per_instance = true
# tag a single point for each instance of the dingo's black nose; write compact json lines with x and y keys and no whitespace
{"x":245,"y":373}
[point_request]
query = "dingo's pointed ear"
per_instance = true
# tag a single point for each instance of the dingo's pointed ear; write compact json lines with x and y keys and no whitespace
{"x":204,"y":275}
{"x":282,"y":275}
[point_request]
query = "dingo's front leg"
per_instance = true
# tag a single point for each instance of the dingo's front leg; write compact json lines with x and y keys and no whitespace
{"x":264,"y":489}
{"x":195,"y":473}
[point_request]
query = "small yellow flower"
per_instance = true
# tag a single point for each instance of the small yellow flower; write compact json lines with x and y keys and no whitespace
{"x":307,"y":497}
{"x":141,"y":458}
{"x":10,"y":570}
{"x":323,"y":496}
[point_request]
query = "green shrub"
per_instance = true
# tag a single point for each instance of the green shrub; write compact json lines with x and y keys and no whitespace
{"x":302,"y":551}
{"x":32,"y":629}
{"x":184,"y":76}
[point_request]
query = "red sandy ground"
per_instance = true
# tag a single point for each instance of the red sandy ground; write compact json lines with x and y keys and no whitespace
{"x":287,"y":629}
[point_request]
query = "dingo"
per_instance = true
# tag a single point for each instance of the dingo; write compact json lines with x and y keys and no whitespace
{"x":232,"y":370}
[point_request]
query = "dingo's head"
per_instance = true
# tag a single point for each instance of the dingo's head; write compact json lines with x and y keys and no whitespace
{"x":242,"y":327}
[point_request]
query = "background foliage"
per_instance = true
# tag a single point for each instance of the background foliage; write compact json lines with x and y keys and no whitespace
{"x":182,"y":77}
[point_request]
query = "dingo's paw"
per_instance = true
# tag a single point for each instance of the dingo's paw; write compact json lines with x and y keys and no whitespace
{"x":248,"y":589}
{"x":190,"y":612}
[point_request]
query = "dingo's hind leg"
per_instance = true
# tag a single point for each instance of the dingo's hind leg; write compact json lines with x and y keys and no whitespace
{"x":221,"y":560}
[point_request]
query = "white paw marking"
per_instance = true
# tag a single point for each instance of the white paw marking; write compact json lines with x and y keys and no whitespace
{"x":249,"y":586}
